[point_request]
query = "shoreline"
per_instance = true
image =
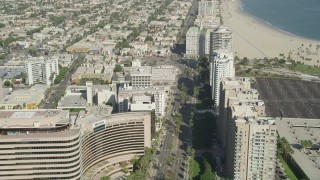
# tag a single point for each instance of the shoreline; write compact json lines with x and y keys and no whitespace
{"x":255,"y":38}
{"x":269,"y":25}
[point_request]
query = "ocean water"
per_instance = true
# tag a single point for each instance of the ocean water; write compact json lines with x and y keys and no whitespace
{"x":298,"y":17}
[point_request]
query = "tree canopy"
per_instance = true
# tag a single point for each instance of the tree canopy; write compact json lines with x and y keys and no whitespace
{"x":207,"y":174}
{"x":305,"y":143}
{"x":149,"y":38}
{"x":7,"y":83}
{"x":118,"y":68}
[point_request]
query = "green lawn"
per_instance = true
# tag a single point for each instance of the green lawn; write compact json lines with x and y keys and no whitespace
{"x":287,"y":170}
{"x":195,"y":168}
{"x":305,"y":69}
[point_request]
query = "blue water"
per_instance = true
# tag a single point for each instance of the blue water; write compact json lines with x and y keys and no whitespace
{"x":298,"y":17}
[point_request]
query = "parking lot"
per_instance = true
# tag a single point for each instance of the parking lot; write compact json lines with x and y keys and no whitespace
{"x":289,"y":98}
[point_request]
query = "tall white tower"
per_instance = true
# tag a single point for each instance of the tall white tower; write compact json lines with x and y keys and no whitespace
{"x":89,"y":93}
{"x":221,"y":67}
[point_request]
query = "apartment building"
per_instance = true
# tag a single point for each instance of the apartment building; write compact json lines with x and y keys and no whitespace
{"x":247,"y":135}
{"x":221,"y":38}
{"x":221,"y":67}
{"x":252,"y":144}
{"x":207,"y":8}
{"x":41,"y":69}
{"x":49,"y":144}
{"x":204,"y":44}
{"x":233,"y":90}
{"x":192,"y":42}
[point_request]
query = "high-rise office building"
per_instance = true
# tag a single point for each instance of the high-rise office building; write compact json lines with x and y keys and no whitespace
{"x":207,"y":8}
{"x":49,"y":144}
{"x":192,"y":42}
{"x":220,"y":67}
{"x":42,"y":69}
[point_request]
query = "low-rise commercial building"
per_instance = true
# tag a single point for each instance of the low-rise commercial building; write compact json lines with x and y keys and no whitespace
{"x":24,"y":98}
{"x":158,"y":96}
{"x":89,"y":95}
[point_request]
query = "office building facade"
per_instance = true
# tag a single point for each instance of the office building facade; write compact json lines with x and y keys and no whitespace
{"x":48,"y":144}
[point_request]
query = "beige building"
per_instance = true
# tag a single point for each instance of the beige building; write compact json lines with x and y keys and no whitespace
{"x":49,"y":144}
{"x":232,"y":90}
{"x":162,"y":75}
{"x":249,"y":138}
{"x":24,"y":98}
{"x":192,"y":42}
{"x":251,"y":148}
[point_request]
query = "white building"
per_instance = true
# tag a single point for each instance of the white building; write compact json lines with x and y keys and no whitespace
{"x":192,"y":42}
{"x":89,"y":95}
{"x":157,"y":94}
{"x":42,"y":69}
{"x":141,"y":76}
{"x":142,"y":103}
{"x":207,"y":8}
{"x":221,"y":67}
{"x":221,"y":38}
{"x":160,"y":100}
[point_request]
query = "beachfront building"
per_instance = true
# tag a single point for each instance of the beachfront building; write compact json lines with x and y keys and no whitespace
{"x":207,"y":8}
{"x":235,"y":91}
{"x":52,"y":144}
{"x":221,"y":38}
{"x":220,"y":67}
{"x":251,"y":148}
{"x":41,"y":69}
{"x":192,"y":42}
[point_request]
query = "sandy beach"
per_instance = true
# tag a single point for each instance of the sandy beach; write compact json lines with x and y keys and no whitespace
{"x":254,"y":39}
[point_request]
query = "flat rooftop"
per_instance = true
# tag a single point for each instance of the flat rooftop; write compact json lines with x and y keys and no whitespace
{"x":72,"y":101}
{"x":33,"y":118}
{"x":143,"y":70}
{"x":140,"y":97}
{"x":297,"y":129}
